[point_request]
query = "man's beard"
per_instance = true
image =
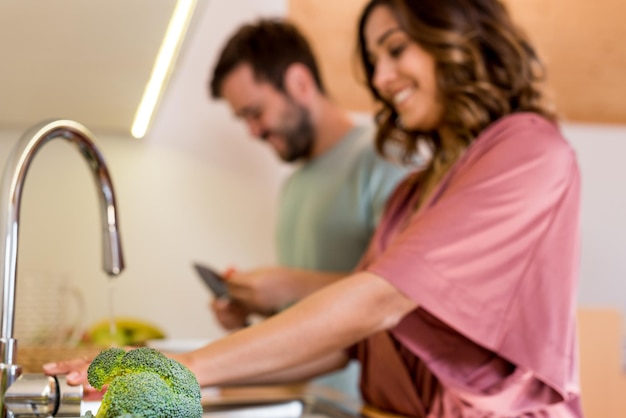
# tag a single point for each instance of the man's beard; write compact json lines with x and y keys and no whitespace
{"x":299,"y":133}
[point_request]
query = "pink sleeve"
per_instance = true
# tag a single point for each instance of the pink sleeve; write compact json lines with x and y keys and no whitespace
{"x":494,"y":254}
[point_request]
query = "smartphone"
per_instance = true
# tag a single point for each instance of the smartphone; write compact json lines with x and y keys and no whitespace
{"x":212,"y":279}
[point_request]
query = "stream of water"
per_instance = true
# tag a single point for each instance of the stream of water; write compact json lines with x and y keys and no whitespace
{"x":112,"y":324}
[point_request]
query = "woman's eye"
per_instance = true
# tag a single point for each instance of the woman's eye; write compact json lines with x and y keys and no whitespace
{"x":397,"y":50}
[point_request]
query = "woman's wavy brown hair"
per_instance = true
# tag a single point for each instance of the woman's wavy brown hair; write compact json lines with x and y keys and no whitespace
{"x":486,"y":69}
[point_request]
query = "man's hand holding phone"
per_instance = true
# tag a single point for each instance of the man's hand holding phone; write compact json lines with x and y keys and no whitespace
{"x":212,"y":279}
{"x":263,"y":291}
{"x":229,"y":313}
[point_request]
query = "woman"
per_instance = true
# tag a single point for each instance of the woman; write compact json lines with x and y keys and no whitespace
{"x":464,"y":304}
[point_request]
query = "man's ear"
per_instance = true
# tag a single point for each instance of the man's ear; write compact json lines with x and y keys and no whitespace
{"x":299,"y":82}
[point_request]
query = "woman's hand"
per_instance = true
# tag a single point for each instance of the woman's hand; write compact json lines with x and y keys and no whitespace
{"x":75,"y":372}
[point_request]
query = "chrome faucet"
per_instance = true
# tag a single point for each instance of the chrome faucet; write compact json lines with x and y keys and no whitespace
{"x":10,"y":199}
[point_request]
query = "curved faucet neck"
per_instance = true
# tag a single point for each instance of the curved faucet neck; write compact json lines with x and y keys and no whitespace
{"x":10,"y":201}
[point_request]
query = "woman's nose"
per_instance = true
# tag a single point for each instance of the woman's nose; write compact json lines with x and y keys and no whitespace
{"x":384,"y":73}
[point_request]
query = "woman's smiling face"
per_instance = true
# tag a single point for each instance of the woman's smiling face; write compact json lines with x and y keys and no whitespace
{"x":404,"y":73}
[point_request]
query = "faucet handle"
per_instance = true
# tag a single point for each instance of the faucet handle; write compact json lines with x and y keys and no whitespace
{"x":70,"y":398}
{"x":41,"y":395}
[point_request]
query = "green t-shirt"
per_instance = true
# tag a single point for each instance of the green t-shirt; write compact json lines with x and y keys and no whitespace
{"x":329,"y":206}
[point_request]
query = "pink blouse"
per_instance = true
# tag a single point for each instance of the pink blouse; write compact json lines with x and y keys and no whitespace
{"x":492,"y":260}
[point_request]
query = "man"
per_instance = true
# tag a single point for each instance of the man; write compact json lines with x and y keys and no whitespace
{"x":331,"y":203}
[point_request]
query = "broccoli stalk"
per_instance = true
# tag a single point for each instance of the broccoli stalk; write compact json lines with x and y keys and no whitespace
{"x":144,"y":383}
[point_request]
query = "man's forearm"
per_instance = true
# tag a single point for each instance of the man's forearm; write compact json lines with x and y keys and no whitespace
{"x":306,"y":282}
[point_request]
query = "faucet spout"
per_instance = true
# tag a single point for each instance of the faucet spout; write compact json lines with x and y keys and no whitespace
{"x":10,"y":200}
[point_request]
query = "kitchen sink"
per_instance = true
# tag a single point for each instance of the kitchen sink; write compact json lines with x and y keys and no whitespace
{"x":305,"y":406}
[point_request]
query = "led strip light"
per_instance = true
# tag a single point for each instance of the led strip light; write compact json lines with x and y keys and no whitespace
{"x":163,"y":65}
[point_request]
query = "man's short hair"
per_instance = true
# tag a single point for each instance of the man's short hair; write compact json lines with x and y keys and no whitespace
{"x":269,"y":46}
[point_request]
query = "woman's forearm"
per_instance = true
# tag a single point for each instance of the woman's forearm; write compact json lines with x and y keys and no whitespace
{"x":299,"y":373}
{"x":326,"y":322}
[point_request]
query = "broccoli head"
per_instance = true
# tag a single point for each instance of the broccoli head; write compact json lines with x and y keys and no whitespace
{"x":104,"y":367}
{"x":144,"y":383}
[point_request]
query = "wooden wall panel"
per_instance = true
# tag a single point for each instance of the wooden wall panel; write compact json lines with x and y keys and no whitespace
{"x":583,"y":43}
{"x":331,"y":26}
{"x":602,"y":377}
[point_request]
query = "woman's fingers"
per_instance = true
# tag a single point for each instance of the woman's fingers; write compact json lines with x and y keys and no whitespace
{"x":75,"y":370}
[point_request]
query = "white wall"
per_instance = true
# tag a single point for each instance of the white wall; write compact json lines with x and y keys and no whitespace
{"x":601,"y":150}
{"x":198,"y":188}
